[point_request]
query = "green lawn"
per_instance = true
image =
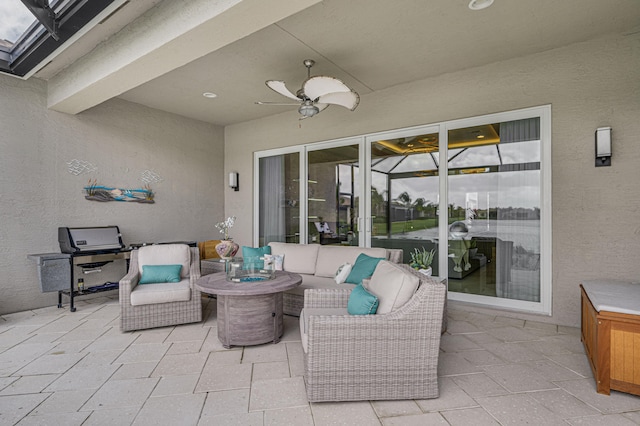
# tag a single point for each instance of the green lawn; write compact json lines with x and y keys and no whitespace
{"x":405,"y":226}
{"x":402,"y":227}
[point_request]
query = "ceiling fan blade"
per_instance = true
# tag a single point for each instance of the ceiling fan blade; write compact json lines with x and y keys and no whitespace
{"x":277,"y":103}
{"x":321,"y":85}
{"x":278,"y":86}
{"x":321,"y":106}
{"x":349,"y":100}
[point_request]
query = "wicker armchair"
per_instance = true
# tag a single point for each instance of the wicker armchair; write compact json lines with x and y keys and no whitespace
{"x":188,"y":305}
{"x":374,"y":357}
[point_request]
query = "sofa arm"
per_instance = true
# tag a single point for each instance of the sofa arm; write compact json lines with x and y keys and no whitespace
{"x":326,"y":297}
{"x":194,"y":267}
{"x":129,"y":281}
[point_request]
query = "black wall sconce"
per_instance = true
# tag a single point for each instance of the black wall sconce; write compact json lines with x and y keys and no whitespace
{"x":603,"y":146}
{"x":234,"y":181}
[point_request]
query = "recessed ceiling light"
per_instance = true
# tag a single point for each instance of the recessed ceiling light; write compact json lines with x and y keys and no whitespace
{"x":209,"y":95}
{"x":480,"y":4}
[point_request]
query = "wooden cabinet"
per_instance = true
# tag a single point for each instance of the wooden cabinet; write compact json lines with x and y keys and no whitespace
{"x":612,"y":343}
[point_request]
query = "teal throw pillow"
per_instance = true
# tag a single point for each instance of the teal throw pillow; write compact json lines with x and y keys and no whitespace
{"x":363,"y":268}
{"x":152,"y":274}
{"x":251,"y":256}
{"x":361,"y":302}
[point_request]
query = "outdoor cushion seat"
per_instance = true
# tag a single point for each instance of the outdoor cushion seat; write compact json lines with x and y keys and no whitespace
{"x":161,"y":304}
{"x":149,"y":294}
{"x":372,"y":357}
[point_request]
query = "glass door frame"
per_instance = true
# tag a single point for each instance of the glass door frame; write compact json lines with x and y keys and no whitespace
{"x":442,"y":206}
{"x":364,"y":198}
{"x":544,"y":112}
{"x":302,"y":158}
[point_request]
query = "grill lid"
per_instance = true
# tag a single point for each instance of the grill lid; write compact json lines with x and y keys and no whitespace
{"x":90,"y":239}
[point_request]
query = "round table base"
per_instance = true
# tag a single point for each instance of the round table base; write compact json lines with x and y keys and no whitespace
{"x":250,"y":320}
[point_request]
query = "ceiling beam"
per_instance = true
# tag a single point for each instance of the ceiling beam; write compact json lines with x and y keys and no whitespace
{"x":163,"y":39}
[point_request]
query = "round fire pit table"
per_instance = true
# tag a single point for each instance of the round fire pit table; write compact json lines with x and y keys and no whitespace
{"x":249,"y":313}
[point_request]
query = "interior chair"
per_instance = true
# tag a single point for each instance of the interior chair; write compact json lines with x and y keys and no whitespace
{"x":159,"y":304}
{"x":384,"y":356}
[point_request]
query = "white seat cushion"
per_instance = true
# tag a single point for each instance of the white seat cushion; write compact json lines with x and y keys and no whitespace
{"x":149,"y":294}
{"x":304,"y":320}
{"x":165,"y":254}
{"x":392,"y":285}
{"x":311,"y":281}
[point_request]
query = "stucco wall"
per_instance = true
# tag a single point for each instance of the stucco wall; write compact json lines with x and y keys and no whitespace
{"x":596,"y":231}
{"x":122,"y":139}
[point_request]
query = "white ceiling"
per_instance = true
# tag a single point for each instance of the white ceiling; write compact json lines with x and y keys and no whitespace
{"x":371,"y":45}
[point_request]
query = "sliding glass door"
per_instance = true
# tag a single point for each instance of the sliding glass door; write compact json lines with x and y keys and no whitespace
{"x":474,"y":195}
{"x":494,"y":189}
{"x":498,"y":193}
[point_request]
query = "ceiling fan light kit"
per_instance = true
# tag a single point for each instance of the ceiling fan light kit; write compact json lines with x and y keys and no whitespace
{"x":316,"y":94}
{"x":308,"y":109}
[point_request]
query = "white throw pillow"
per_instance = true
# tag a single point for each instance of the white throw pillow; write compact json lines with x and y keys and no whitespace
{"x":392,"y":285}
{"x":343,"y":272}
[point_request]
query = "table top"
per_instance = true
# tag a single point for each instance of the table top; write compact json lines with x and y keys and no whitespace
{"x":217,"y":283}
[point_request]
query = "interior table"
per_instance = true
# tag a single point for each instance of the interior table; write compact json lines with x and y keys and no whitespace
{"x":249,"y":313}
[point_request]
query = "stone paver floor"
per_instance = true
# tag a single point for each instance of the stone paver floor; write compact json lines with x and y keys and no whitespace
{"x":58,"y":367}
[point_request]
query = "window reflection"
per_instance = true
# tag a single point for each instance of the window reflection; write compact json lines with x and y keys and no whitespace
{"x":494,"y":214}
{"x":333,"y":195}
{"x":404,"y":194}
{"x":279,"y":199}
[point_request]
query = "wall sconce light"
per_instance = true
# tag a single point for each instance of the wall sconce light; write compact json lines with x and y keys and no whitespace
{"x":603,"y":146}
{"x":234,"y":181}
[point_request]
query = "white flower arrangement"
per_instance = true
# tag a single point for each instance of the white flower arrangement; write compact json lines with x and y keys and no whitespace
{"x":224,"y":226}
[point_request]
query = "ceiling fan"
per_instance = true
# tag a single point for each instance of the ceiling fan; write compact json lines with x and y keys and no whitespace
{"x":316,"y":94}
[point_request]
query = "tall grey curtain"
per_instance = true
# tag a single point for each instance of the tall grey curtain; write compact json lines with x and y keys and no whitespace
{"x":272,"y":199}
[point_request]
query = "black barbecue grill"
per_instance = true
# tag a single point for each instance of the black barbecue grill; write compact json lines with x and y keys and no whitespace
{"x":88,"y":248}
{"x":90,"y":240}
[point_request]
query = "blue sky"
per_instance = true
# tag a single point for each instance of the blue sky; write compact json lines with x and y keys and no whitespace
{"x":14,"y":19}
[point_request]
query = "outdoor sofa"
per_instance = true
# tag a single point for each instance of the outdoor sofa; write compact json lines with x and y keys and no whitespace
{"x":318,"y":264}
